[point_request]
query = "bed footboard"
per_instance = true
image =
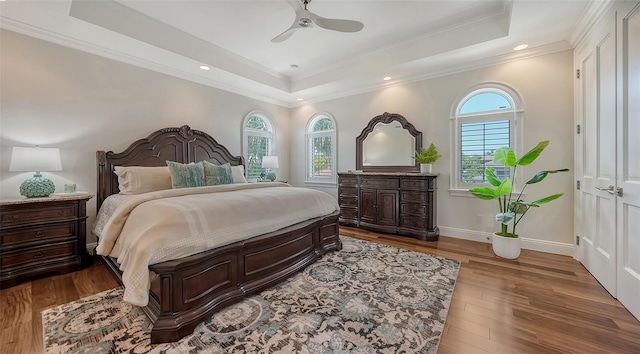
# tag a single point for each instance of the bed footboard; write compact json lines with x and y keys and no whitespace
{"x":189,"y":290}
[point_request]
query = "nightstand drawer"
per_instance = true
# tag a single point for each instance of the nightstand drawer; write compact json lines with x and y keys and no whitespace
{"x":24,"y":235}
{"x":36,"y":254}
{"x":35,"y":214}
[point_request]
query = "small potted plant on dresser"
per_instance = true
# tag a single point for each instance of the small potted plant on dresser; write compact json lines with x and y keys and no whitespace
{"x":426,"y":157}
{"x":506,"y":243}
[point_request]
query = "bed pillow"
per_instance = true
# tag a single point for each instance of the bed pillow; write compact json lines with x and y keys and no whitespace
{"x":186,"y":175}
{"x":215,"y":175}
{"x":139,"y":179}
{"x":238,"y":174}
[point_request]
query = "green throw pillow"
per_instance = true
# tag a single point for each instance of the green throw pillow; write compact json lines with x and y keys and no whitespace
{"x":215,"y":175}
{"x":186,"y":175}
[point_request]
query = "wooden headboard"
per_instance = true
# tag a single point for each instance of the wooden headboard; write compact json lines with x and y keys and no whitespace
{"x":182,"y":145}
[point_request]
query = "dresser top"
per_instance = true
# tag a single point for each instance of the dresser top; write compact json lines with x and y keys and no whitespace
{"x":393,"y":174}
{"x":53,"y":198}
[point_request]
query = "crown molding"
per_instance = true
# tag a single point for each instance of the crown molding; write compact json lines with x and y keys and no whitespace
{"x":591,"y":16}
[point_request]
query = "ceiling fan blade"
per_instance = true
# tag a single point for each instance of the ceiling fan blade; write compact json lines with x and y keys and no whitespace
{"x":284,"y":35}
{"x":337,"y":25}
{"x":300,"y":13}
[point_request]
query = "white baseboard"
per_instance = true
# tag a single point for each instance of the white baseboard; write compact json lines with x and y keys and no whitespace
{"x":565,"y":249}
{"x":91,"y":247}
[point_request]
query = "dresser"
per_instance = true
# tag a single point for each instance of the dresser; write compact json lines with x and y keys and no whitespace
{"x":42,"y":235}
{"x":395,"y":203}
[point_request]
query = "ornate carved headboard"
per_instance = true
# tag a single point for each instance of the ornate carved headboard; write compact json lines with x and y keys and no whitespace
{"x":181,"y":144}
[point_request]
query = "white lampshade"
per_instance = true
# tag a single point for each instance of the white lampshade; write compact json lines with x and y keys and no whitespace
{"x":35,"y":159}
{"x":270,"y":162}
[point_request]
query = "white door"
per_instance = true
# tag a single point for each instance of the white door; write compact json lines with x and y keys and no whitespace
{"x":629,"y":158}
{"x":596,"y":155}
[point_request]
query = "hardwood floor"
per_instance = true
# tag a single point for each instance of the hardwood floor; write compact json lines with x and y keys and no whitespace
{"x":540,"y":303}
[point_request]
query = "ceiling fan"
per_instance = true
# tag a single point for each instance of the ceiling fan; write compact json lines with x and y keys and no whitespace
{"x":304,"y":19}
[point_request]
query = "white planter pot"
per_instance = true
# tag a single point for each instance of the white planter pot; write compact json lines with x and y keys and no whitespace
{"x":506,"y":247}
{"x":426,"y":167}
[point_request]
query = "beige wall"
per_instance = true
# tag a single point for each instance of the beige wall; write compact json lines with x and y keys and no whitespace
{"x":546,"y":86}
{"x":56,"y":96}
{"x":60,"y":97}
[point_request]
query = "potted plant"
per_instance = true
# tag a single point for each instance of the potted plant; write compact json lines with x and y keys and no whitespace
{"x":426,"y":157}
{"x":506,"y":243}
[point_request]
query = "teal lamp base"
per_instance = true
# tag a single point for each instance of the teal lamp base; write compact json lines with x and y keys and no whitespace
{"x":37,"y":186}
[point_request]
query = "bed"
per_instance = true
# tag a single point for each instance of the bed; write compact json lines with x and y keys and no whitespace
{"x":186,"y":291}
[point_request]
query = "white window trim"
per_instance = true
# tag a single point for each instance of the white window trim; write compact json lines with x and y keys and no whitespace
{"x":516,"y":116}
{"x":325,"y":180}
{"x":250,"y":132}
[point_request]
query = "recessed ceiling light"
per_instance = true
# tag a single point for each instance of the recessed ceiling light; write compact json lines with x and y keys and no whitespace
{"x":386,"y":78}
{"x":521,"y":47}
{"x":204,"y":67}
{"x":300,"y":99}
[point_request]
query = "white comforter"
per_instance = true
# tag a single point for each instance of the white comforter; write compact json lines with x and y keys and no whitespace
{"x":154,"y":227}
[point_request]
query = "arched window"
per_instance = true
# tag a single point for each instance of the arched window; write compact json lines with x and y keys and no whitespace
{"x":485,"y":119}
{"x":321,"y":149}
{"x":258,"y":141}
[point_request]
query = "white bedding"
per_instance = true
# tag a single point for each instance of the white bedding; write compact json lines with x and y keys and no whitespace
{"x":158,"y":226}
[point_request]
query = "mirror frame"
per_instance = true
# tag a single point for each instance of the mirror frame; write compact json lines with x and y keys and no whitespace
{"x":387,"y":118}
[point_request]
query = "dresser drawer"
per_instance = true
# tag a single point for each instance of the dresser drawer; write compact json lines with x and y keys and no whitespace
{"x":348,"y":191}
{"x":413,"y":221}
{"x":31,"y":234}
{"x":349,"y":181}
{"x":37,"y":254}
{"x":379,"y":183}
{"x":36,"y":213}
{"x":416,"y":197}
{"x":413,"y":208}
{"x":351,"y":200}
{"x":348,"y":212}
{"x":414,"y":183}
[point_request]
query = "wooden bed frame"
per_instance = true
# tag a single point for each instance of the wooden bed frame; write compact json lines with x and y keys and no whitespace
{"x":189,"y":290}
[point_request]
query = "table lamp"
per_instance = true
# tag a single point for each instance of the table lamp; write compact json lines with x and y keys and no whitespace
{"x":269,"y":162}
{"x":30,"y":159}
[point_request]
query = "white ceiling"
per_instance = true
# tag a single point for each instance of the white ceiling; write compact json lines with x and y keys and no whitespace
{"x":406,"y":40}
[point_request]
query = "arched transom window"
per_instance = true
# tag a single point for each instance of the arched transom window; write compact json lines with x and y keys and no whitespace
{"x":321,"y":149}
{"x":487,"y":118}
{"x":258,"y":141}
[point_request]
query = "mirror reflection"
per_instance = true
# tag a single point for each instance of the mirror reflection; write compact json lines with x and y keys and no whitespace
{"x":388,"y":145}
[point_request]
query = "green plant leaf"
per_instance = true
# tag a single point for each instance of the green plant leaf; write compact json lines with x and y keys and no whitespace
{"x":537,"y":177}
{"x":505,"y":156}
{"x":490,"y":173}
{"x":504,"y":188}
{"x":533,"y":154}
{"x":543,"y":174}
{"x":547,"y":199}
{"x":505,"y":218}
{"x":485,"y":193}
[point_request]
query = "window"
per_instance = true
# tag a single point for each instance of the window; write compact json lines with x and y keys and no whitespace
{"x":487,"y":118}
{"x":258,"y":141}
{"x":321,"y":149}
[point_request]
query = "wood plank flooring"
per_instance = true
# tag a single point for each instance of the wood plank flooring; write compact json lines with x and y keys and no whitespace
{"x":540,"y":303}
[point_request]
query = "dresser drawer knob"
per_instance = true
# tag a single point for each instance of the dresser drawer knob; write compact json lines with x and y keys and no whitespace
{"x":39,"y":234}
{"x":16,"y":217}
{"x":38,"y":255}
{"x":61,"y":212}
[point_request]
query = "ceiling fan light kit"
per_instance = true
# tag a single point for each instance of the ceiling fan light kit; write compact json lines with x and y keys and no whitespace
{"x":305,"y":19}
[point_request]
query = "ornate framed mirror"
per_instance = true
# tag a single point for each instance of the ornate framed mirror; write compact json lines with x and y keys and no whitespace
{"x":388,"y":144}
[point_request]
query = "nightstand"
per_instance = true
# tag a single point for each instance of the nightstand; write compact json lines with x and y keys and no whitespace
{"x":42,"y":235}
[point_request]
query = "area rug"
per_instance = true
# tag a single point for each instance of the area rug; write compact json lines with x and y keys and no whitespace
{"x":366,"y":298}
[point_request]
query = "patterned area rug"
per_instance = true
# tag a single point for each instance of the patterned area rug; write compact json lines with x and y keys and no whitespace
{"x":367,"y":298}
